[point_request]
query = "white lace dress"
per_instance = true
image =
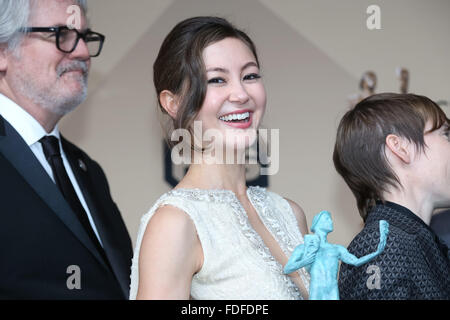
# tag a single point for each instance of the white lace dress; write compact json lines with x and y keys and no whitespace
{"x":237,"y":264}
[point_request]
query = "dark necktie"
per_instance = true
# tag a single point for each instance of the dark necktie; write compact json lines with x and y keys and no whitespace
{"x":50,"y":145}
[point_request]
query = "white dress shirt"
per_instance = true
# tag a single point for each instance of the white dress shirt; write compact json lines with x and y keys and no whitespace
{"x":31,"y":131}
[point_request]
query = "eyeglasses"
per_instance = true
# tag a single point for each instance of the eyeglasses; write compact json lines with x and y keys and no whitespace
{"x":67,"y":39}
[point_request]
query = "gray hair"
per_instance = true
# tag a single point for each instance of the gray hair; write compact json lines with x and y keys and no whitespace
{"x":14,"y":15}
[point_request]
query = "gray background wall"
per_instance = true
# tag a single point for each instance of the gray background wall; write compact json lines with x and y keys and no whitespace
{"x":312,"y":53}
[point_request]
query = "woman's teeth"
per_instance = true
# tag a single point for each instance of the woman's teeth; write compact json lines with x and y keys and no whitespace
{"x":236,"y":117}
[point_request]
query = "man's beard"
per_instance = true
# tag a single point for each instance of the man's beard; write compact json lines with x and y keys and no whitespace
{"x":53,"y":98}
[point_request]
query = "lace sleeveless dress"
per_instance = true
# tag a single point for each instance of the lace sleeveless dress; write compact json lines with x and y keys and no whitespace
{"x":237,"y":264}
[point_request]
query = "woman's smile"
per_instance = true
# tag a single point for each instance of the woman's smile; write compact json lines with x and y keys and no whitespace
{"x":241,"y":119}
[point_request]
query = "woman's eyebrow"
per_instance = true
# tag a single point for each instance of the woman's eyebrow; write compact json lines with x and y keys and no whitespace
{"x":224,"y":70}
{"x":250,"y":64}
{"x":217,"y":69}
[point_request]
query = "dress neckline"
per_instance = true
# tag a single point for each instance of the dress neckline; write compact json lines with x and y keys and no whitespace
{"x":257,"y":196}
{"x":216,"y":195}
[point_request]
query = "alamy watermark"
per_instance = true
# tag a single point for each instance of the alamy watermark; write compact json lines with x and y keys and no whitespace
{"x":218,"y":147}
{"x":374,"y":280}
{"x":74,"y":280}
{"x":373,"y":22}
{"x":74,"y":20}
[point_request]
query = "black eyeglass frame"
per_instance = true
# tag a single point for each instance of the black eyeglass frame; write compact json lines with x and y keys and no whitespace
{"x":80,"y":35}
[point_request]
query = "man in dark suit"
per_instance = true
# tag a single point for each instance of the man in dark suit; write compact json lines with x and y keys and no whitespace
{"x":61,"y":234}
{"x":393,"y":150}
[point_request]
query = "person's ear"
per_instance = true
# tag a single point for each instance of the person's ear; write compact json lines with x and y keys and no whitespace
{"x":169,"y":102}
{"x":400,"y":147}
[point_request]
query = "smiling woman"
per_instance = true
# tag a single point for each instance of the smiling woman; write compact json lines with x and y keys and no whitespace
{"x":235,"y":93}
{"x":180,"y":67}
{"x":211,"y":237}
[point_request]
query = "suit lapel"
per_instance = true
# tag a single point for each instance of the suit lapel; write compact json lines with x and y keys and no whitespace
{"x":19,"y":154}
{"x":98,"y":212}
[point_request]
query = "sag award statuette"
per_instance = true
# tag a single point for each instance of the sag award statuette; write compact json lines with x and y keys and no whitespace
{"x":321,"y":259}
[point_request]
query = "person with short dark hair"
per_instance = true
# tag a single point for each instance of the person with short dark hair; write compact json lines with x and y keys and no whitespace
{"x":393,"y":151}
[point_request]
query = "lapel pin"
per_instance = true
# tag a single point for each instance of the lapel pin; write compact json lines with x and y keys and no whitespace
{"x":82,"y":165}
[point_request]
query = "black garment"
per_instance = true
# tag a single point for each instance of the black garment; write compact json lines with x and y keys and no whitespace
{"x":52,"y":152}
{"x":413,"y":265}
{"x":440,"y":224}
{"x":41,"y":237}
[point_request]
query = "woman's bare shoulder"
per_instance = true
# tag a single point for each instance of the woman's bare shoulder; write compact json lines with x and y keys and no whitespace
{"x":171,"y":223}
{"x":170,"y":255}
